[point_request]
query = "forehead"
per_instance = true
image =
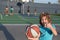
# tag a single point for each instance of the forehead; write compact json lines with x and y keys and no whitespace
{"x":44,"y":17}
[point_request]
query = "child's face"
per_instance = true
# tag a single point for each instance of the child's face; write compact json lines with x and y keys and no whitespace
{"x":44,"y":20}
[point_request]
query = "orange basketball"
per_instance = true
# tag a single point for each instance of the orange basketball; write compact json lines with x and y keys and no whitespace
{"x":33,"y":31}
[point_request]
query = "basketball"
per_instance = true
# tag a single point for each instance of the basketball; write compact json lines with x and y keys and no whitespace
{"x":33,"y":31}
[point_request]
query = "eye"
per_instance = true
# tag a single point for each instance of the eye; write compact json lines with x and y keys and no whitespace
{"x":45,"y":19}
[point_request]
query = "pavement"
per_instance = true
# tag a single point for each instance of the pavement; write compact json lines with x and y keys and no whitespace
{"x":17,"y":32}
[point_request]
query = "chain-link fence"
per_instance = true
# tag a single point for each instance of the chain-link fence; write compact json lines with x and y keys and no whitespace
{"x":51,"y":8}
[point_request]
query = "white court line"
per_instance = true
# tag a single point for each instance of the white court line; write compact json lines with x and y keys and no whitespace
{"x":15,"y":24}
{"x":23,"y":24}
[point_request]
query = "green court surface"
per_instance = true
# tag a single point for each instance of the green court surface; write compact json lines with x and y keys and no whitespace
{"x":24,"y":19}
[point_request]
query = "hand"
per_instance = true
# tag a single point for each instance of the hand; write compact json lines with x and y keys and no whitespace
{"x":37,"y":38}
{"x":49,"y":25}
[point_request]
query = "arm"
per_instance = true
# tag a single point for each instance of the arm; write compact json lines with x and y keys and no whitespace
{"x":52,"y":29}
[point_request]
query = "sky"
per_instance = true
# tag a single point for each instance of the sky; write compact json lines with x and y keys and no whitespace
{"x":46,"y":1}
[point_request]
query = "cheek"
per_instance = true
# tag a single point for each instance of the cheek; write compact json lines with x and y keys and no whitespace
{"x":47,"y":21}
{"x":41,"y":21}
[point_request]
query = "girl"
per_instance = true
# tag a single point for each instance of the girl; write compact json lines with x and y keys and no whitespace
{"x":11,"y":10}
{"x":47,"y":29}
{"x":6,"y":10}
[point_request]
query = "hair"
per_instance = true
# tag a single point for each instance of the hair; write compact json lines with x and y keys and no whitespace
{"x":11,"y":7}
{"x":47,"y":16}
{"x":6,"y":6}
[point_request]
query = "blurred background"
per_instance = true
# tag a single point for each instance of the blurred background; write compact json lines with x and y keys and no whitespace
{"x":16,"y":15}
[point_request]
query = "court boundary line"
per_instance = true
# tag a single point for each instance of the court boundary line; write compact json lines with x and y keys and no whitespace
{"x":24,"y":24}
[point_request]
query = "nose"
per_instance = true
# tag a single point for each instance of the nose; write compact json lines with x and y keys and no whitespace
{"x":44,"y":21}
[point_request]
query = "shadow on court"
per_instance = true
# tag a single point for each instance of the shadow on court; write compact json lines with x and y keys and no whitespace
{"x":6,"y":33}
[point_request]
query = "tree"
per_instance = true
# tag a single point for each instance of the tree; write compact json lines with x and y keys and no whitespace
{"x":19,"y":4}
{"x":58,"y":1}
{"x":33,"y":1}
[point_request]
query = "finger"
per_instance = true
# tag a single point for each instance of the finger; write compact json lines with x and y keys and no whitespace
{"x":30,"y":38}
{"x":45,"y":25}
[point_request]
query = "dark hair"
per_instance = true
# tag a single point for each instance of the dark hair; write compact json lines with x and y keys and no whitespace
{"x":6,"y":6}
{"x":11,"y":6}
{"x":47,"y":16}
